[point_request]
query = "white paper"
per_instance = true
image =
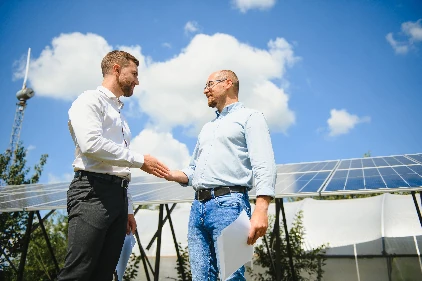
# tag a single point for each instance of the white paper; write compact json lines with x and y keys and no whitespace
{"x":125,"y":255}
{"x":233,"y":250}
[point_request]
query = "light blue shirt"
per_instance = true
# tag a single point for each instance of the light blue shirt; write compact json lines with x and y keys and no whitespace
{"x":234,"y":149}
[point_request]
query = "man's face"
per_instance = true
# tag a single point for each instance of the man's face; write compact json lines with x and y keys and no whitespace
{"x":214,"y":90}
{"x":128,"y":78}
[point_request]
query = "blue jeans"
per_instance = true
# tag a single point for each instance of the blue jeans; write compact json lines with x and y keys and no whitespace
{"x":206,"y":221}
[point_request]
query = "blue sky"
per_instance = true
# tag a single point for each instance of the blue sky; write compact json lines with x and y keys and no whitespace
{"x":334,"y":78}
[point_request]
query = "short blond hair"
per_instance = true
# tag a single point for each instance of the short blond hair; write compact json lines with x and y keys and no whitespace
{"x":121,"y":58}
{"x":228,"y":74}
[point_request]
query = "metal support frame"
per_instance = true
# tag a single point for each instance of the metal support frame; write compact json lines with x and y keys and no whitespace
{"x":47,"y":240}
{"x":416,"y":205}
{"x":158,"y":250}
{"x":289,"y":247}
{"x":173,"y":233}
{"x":156,"y":233}
{"x":8,"y":259}
{"x":25,"y":246}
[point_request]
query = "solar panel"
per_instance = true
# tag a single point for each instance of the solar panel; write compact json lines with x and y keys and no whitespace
{"x":360,"y":175}
{"x":416,"y":157}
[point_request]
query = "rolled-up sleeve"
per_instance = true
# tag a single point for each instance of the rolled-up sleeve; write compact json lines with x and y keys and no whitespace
{"x":261,"y":154}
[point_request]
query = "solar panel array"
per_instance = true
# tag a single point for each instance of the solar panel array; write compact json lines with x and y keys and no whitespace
{"x":362,"y":175}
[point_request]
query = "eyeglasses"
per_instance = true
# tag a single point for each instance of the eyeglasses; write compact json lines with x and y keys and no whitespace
{"x":211,"y":84}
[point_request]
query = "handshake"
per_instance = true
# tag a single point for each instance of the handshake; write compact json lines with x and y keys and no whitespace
{"x":154,"y":167}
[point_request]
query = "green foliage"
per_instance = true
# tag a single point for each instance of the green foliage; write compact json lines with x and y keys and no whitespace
{"x":132,"y":267}
{"x":183,"y":265}
{"x":13,"y":224}
{"x":305,"y":262}
{"x":17,"y":172}
{"x":39,"y":263}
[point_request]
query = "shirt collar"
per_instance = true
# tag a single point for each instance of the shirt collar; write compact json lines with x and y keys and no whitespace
{"x":110,"y":95}
{"x":231,"y":107}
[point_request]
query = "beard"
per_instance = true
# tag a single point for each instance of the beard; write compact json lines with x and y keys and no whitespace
{"x":126,"y":88}
{"x":212,"y":103}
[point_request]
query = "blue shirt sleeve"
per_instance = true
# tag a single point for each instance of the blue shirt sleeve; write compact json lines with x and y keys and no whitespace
{"x":261,"y":154}
{"x":190,"y":170}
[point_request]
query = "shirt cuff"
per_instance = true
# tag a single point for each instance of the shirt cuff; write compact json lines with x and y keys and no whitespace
{"x":138,"y":160}
{"x":189,"y":173}
{"x":266,"y":191}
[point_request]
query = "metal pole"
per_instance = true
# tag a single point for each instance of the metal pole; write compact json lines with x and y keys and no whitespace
{"x":269,"y":253}
{"x":144,"y":257}
{"x":181,"y":268}
{"x":277,"y":241}
{"x":36,"y":225}
{"x":289,"y":247}
{"x":156,"y":233}
{"x":417,"y":206}
{"x":48,"y":243}
{"x":158,"y":251}
{"x":25,"y":246}
{"x":7,"y":258}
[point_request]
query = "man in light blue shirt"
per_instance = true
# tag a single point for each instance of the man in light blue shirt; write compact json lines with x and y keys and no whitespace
{"x":233,"y":153}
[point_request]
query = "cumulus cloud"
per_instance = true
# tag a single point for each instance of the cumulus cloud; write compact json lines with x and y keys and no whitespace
{"x":70,"y":65}
{"x":170,"y":93}
{"x":181,"y":98}
{"x":67,"y":177}
{"x":163,"y":146}
{"x":341,"y":122}
{"x":411,"y":33}
{"x":191,"y":27}
{"x":245,"y":5}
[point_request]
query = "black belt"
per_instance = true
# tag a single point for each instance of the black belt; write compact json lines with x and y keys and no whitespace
{"x":206,"y":194}
{"x":111,"y":178}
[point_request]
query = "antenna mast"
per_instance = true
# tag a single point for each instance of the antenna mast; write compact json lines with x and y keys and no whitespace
{"x":22,"y":95}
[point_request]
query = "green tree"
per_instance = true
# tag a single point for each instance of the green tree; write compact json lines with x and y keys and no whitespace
{"x":305,"y":262}
{"x":13,"y":224}
{"x":39,"y":264}
{"x":183,"y":265}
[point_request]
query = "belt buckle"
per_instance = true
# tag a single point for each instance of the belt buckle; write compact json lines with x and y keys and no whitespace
{"x":201,"y":191}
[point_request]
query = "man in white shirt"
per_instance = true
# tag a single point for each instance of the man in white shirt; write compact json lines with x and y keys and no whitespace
{"x":98,"y":204}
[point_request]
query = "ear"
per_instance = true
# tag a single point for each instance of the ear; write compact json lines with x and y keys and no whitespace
{"x":116,"y":69}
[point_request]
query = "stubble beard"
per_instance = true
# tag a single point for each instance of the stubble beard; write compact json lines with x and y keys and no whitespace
{"x":126,"y":88}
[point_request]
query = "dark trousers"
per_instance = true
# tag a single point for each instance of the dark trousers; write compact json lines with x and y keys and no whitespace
{"x":97,"y":211}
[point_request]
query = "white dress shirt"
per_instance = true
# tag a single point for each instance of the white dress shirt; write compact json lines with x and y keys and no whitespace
{"x":102,"y":136}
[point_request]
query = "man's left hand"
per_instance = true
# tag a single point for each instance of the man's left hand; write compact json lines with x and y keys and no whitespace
{"x":131,"y":224}
{"x":259,"y":220}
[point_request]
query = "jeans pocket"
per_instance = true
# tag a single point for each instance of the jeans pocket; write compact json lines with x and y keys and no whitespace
{"x":229,"y":200}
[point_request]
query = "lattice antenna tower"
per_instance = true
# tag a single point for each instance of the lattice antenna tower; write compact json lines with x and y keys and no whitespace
{"x":22,"y":95}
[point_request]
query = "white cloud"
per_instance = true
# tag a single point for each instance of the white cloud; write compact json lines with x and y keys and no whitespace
{"x":166,"y":45}
{"x":399,"y":47}
{"x":70,"y":66}
{"x":163,"y":146}
{"x":341,"y":122}
{"x":412,"y":32}
{"x":181,"y":98}
{"x":191,"y":27}
{"x":171,"y":92}
{"x":31,"y":147}
{"x":245,"y":5}
{"x":67,"y":177}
